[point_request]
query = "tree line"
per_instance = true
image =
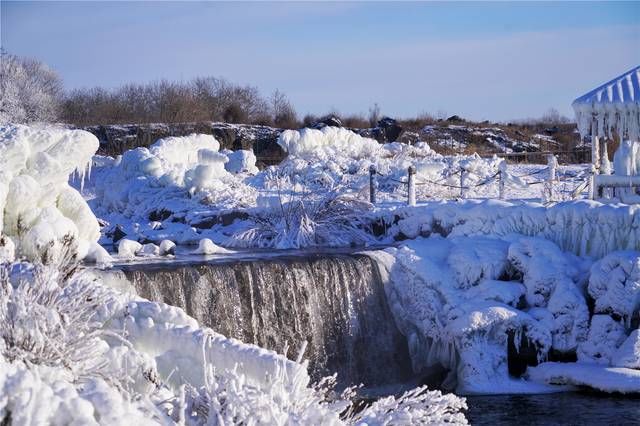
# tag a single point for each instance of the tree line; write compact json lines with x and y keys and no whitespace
{"x":31,"y":92}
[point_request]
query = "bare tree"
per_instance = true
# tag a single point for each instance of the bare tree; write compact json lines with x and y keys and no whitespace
{"x":374,"y":115}
{"x":284,"y":115}
{"x":29,"y":90}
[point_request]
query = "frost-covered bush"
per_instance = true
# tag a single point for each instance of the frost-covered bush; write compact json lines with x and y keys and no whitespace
{"x":226,"y":398}
{"x":47,"y":317}
{"x":333,"y":220}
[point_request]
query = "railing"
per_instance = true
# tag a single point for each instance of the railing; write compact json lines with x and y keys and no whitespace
{"x":540,"y":157}
{"x":502,"y":177}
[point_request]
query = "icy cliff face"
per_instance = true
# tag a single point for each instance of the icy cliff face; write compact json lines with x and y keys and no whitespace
{"x":39,"y":211}
{"x":462,"y":301}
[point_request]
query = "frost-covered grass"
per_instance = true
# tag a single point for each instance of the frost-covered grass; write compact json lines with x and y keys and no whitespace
{"x":334,"y":220}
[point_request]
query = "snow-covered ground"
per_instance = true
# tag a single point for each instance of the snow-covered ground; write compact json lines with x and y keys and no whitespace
{"x":472,"y":277}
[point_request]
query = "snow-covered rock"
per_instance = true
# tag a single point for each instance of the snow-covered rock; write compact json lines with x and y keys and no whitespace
{"x":42,"y":214}
{"x":128,"y":248}
{"x":167,"y":247}
{"x":206,"y":246}
{"x":615,"y":284}
{"x":605,"y":336}
{"x":628,"y":354}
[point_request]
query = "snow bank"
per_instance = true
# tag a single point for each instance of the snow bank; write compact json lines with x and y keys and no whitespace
{"x":585,"y":228}
{"x":622,"y":380}
{"x":39,"y":211}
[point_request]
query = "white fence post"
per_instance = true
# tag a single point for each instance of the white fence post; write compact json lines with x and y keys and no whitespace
{"x":372,"y":184}
{"x":463,"y":178}
{"x":592,"y":182}
{"x":411,"y":174}
{"x":552,"y":163}
{"x":502,"y":176}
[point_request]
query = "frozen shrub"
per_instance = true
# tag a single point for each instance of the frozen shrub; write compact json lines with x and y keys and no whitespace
{"x":47,"y":318}
{"x":334,"y":220}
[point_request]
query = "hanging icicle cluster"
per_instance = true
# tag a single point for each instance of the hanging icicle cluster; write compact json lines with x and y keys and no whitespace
{"x":614,"y":106}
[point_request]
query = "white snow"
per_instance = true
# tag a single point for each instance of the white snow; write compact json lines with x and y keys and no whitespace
{"x":628,"y":354}
{"x":128,"y":248}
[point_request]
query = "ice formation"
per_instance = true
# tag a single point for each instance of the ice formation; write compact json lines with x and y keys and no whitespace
{"x":461,"y":301}
{"x":39,"y":211}
{"x":585,"y":228}
{"x":613,"y":106}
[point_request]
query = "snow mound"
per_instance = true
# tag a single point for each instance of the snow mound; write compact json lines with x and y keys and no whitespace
{"x":38,"y":209}
{"x":177,"y":174}
{"x":327,"y":142}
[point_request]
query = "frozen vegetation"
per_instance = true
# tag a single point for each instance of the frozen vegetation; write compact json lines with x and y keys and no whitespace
{"x":492,"y":291}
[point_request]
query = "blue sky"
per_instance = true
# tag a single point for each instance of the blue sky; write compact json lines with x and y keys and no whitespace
{"x":496,"y":61}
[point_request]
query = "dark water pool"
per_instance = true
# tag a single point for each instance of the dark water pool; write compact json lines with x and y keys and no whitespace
{"x":569,"y":408}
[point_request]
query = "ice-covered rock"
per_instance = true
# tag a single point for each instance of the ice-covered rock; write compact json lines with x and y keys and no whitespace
{"x":628,"y":354}
{"x":38,"y":209}
{"x":167,"y":247}
{"x":605,"y":336}
{"x":615,"y":284}
{"x":148,"y":250}
{"x":128,"y":248}
{"x":206,"y":246}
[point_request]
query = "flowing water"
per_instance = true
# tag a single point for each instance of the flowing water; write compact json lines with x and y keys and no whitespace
{"x":335,"y":302}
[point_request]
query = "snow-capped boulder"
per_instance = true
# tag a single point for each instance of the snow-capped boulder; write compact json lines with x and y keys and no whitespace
{"x":128,"y":248}
{"x":42,"y":214}
{"x":167,"y":247}
{"x":605,"y":336}
{"x":206,"y":246}
{"x":615,"y":284}
{"x":628,"y":354}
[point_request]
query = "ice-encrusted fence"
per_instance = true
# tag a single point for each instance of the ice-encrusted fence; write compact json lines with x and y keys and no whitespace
{"x":502,"y":179}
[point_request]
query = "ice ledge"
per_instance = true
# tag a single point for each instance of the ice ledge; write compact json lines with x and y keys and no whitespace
{"x":604,"y":379}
